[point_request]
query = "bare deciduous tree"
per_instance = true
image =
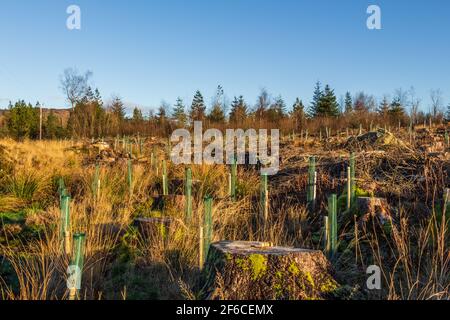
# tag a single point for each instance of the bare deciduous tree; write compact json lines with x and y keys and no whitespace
{"x":74,"y":85}
{"x":414,"y":104}
{"x":436,"y":102}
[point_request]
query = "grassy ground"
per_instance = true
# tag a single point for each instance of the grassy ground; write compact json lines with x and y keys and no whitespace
{"x":412,"y":249}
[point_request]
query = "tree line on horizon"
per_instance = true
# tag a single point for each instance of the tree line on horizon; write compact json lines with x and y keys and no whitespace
{"x":90,"y":117}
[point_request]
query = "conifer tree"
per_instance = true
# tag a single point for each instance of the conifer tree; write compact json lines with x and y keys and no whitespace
{"x":137,"y":115}
{"x":327,"y":106}
{"x":384,"y":107}
{"x":217,"y":114}
{"x":298,"y":113}
{"x":396,"y":108}
{"x":348,"y":103}
{"x":22,"y":120}
{"x":198,"y":108}
{"x":179,"y":113}
{"x":51,"y":126}
{"x":277,"y":110}
{"x":313,"y":108}
{"x":239,"y":110}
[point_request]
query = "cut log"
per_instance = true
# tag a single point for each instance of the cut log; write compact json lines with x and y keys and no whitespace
{"x":239,"y":270}
{"x":373,"y":208}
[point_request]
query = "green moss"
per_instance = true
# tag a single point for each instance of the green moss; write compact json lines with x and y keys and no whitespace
{"x":363,"y":193}
{"x":328,"y":286}
{"x":294,"y":269}
{"x":256,"y":263}
{"x":309,"y":279}
{"x":259,"y":265}
{"x":242,"y":263}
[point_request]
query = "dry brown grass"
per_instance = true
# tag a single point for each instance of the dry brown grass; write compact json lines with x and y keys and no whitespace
{"x":120,"y":264}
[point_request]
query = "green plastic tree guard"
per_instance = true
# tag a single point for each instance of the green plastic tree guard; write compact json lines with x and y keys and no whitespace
{"x":164,"y":179}
{"x":77,"y":262}
{"x":332,"y":219}
{"x":65,"y":223}
{"x":311,"y":188}
{"x":61,"y":189}
{"x":352,"y":178}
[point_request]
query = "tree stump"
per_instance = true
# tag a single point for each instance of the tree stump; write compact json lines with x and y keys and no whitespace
{"x":369,"y":208}
{"x":239,"y":270}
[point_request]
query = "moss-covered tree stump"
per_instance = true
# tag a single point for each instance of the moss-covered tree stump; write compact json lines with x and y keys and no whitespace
{"x":238,"y":270}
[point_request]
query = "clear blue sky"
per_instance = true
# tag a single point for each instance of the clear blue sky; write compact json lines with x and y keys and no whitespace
{"x":147,"y":51}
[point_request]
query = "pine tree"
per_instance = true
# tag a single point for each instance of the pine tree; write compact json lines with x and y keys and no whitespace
{"x":277,"y":110}
{"x":137,"y":115}
{"x":22,"y":120}
{"x":239,"y":110}
{"x":117,"y":116}
{"x":51,"y":126}
{"x":98,"y":97}
{"x":280,"y":107}
{"x":298,"y":113}
{"x":198,"y":108}
{"x":327,"y":105}
{"x":313,"y":108}
{"x":348,"y":103}
{"x":161,"y":116}
{"x":447,"y":114}
{"x":384,"y":107}
{"x":216,"y":115}
{"x":179,"y":113}
{"x":397,"y":111}
{"x":89,"y":96}
{"x":118,"y":109}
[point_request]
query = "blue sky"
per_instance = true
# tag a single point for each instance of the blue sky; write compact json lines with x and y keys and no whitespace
{"x":149,"y":51}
